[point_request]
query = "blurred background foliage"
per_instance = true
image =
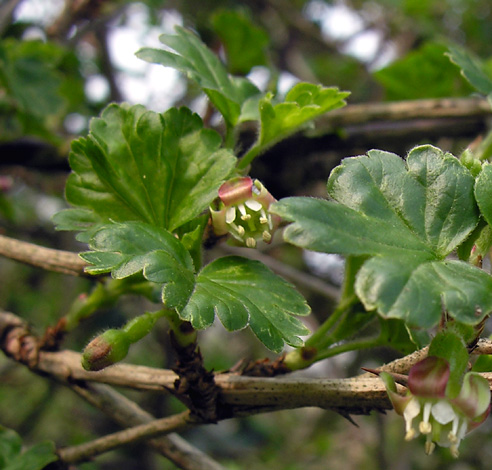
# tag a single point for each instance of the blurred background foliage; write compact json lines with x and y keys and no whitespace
{"x":62,"y":62}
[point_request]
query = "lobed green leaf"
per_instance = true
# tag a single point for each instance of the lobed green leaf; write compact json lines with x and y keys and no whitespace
{"x":194,"y":59}
{"x":13,"y":457}
{"x":244,"y":42}
{"x":125,"y":249}
{"x":423,"y":73}
{"x":471,"y":68}
{"x":407,"y":216}
{"x":239,"y":291}
{"x":243,"y":292}
{"x":483,"y":192}
{"x":303,"y":103}
{"x":138,"y":165}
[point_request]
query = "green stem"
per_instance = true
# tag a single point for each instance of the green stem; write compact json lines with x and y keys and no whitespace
{"x":349,"y":346}
{"x":184,"y":333}
{"x":86,"y":305}
{"x":252,"y":153}
{"x":230,"y":137}
{"x":304,"y":357}
{"x":104,"y":295}
{"x":320,"y":334}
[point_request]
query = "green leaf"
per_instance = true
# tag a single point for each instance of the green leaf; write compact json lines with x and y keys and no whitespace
{"x":27,"y":71}
{"x":10,"y":445}
{"x":395,"y":334}
{"x":408,"y":216}
{"x":127,"y":248}
{"x":416,"y":290}
{"x":471,"y":68}
{"x":244,"y":42}
{"x":423,"y":73}
{"x":243,"y":292}
{"x":84,"y":221}
{"x":39,"y":83}
{"x":483,"y":192}
{"x":34,"y":458}
{"x":162,"y":169}
{"x":303,"y":103}
{"x":193,"y":58}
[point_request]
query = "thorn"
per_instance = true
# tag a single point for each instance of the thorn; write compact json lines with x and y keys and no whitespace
{"x":399,"y":378}
{"x":348,"y":417}
{"x":372,"y":371}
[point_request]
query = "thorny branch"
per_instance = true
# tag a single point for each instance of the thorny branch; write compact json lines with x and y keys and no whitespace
{"x":238,"y":395}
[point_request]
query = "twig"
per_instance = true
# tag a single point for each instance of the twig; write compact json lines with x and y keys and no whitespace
{"x":59,"y":261}
{"x":86,"y":451}
{"x":406,"y":110}
{"x":127,"y":413}
{"x":240,"y":395}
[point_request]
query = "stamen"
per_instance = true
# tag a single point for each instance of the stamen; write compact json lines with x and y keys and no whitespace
{"x":250,"y":242}
{"x":454,"y":451}
{"x":411,"y":433}
{"x":425,"y":427}
{"x":453,"y":434}
{"x":429,"y":447}
{"x":263,"y":217}
{"x":267,"y":236}
{"x":452,"y":437}
{"x":244,"y":214}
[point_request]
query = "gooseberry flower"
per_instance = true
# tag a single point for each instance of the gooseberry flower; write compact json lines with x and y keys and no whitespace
{"x":429,"y":409}
{"x":243,"y":212}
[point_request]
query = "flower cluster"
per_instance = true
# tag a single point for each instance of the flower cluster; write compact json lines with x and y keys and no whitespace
{"x":429,"y":409}
{"x":243,"y":212}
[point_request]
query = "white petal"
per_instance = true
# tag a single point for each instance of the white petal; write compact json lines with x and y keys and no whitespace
{"x":443,"y":412}
{"x":230,"y":215}
{"x":412,"y":409}
{"x":244,"y":214}
{"x":253,"y":205}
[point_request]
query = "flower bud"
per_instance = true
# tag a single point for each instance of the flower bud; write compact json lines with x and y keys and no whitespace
{"x":105,"y":350}
{"x":243,"y":212}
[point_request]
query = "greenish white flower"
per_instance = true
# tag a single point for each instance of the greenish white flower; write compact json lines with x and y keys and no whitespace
{"x":243,"y":212}
{"x":428,"y":408}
